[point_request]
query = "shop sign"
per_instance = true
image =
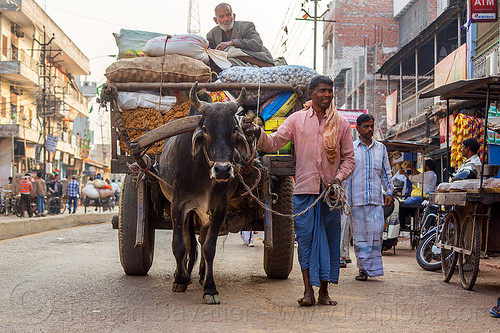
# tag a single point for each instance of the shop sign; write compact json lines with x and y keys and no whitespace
{"x":51,"y":143}
{"x":452,"y":68}
{"x":483,"y":10}
{"x":351,"y":115}
{"x":391,"y":107}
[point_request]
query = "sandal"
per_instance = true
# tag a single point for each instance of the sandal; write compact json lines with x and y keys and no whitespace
{"x":495,"y":311}
{"x":362,"y":276}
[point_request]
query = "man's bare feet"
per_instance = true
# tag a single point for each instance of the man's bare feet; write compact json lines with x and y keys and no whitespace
{"x":326,"y":300}
{"x":307,"y":300}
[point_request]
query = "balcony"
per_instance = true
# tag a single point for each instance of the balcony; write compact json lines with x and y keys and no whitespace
{"x":18,"y":65}
{"x":72,"y":98}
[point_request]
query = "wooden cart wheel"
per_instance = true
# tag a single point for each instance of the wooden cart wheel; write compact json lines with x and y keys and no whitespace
{"x":468,"y":265}
{"x":449,"y":236}
{"x":134,"y":260}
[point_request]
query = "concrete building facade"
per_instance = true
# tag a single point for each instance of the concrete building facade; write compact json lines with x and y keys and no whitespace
{"x":40,"y":98}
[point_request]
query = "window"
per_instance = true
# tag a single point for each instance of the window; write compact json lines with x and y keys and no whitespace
{"x":3,"y":110}
{"x":4,"y":45}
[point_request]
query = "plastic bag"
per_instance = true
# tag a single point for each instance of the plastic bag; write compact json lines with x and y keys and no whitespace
{"x":128,"y":100}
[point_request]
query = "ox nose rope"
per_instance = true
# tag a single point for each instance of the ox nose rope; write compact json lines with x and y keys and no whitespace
{"x":336,"y":190}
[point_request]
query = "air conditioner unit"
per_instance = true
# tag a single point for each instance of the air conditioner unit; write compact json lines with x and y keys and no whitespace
{"x":492,"y":64}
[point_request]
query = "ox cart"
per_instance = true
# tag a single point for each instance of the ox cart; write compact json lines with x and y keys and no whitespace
{"x":144,"y":208}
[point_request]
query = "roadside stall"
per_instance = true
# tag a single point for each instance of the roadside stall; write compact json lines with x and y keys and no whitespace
{"x":472,"y":227}
{"x":406,"y":211}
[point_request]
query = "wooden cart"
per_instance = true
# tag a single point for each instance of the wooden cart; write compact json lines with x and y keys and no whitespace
{"x":472,"y":226}
{"x":142,"y":204}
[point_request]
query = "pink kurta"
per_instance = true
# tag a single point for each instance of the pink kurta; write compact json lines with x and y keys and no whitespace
{"x":312,"y":166}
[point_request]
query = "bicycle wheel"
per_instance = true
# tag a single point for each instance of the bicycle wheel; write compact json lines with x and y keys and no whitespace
{"x":63,"y":205}
{"x":449,"y":236}
{"x":468,"y":265}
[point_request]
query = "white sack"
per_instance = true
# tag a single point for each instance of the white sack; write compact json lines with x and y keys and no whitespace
{"x":90,"y":191}
{"x":145,"y":99}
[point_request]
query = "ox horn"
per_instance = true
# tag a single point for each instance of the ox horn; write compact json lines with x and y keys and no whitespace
{"x":194,"y":97}
{"x":241,"y":98}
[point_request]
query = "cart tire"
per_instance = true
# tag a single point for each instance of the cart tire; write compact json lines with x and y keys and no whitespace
{"x":468,"y":265}
{"x":449,"y":236}
{"x":278,"y":260}
{"x":426,"y":258}
{"x":134,"y":260}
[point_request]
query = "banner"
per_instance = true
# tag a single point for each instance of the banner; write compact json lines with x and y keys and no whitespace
{"x":85,"y":152}
{"x":483,"y":10}
{"x":452,"y":68}
{"x":391,"y":108}
{"x":351,"y":115}
{"x":51,"y":143}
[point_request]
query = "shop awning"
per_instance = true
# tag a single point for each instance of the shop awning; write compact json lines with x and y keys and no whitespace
{"x":471,"y":89}
{"x":408,"y":146}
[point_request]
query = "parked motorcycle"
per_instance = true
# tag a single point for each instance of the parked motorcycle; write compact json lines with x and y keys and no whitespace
{"x":391,"y":226}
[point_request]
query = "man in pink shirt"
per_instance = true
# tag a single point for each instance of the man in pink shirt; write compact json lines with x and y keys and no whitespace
{"x":318,"y":164}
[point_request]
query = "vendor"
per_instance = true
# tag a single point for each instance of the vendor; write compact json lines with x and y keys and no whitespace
{"x":239,"y":39}
{"x":467,"y":170}
{"x":430,"y":177}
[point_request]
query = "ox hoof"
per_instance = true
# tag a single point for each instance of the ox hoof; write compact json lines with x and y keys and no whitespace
{"x":179,"y":287}
{"x":211,"y":299}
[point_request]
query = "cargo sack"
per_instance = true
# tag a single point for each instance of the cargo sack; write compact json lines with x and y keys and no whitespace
{"x":99,"y":183}
{"x":177,"y":68}
{"x":193,"y":46}
{"x":288,"y":74}
{"x":278,"y":106}
{"x":131,"y":42}
{"x":90,"y":191}
{"x":128,"y":100}
{"x":106,"y":192}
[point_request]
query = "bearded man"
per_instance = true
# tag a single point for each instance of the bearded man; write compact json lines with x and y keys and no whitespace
{"x":239,"y":38}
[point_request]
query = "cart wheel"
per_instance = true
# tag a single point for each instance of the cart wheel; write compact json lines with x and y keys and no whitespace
{"x":134,"y":260}
{"x":278,"y":260}
{"x":468,"y":265}
{"x":449,"y":236}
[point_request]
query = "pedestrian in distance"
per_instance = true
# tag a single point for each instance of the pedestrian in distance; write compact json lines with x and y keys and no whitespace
{"x":73,"y":192}
{"x":57,"y":189}
{"x":117,"y":190}
{"x":25,"y":188}
{"x":372,"y":172}
{"x":39,"y":192}
{"x":324,"y":155}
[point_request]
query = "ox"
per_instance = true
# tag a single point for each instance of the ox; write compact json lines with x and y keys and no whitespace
{"x":201,"y":168}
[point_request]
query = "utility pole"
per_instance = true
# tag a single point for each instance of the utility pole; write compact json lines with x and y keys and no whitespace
{"x":315,"y":18}
{"x":43,"y":66}
{"x":45,"y":96}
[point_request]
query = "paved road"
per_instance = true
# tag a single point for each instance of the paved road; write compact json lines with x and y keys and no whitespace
{"x":71,"y":281}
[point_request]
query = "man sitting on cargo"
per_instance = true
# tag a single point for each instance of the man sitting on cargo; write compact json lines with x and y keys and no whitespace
{"x":239,"y":38}
{"x":467,"y":170}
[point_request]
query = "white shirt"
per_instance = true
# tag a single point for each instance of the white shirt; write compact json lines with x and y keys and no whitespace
{"x":115,"y":187}
{"x":372,"y":172}
{"x":430,"y":180}
{"x":469,"y":164}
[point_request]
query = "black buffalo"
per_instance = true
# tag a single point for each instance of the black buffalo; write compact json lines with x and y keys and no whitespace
{"x":201,"y":168}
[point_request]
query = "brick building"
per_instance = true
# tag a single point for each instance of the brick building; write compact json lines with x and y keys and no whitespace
{"x":363,"y":36}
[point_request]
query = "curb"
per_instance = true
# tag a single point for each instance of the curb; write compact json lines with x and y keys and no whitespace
{"x":28,"y":226}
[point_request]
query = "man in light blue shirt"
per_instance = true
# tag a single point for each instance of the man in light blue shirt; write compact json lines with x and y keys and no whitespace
{"x":372,"y":172}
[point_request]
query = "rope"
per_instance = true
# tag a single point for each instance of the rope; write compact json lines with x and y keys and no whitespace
{"x":338,"y":192}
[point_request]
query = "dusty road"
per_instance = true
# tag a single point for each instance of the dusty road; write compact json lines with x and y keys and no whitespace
{"x":71,"y":281}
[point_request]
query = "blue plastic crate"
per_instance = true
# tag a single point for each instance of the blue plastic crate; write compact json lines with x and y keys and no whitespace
{"x":493,"y":154}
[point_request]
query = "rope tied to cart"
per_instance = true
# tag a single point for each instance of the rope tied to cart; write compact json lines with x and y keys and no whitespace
{"x":339,"y":200}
